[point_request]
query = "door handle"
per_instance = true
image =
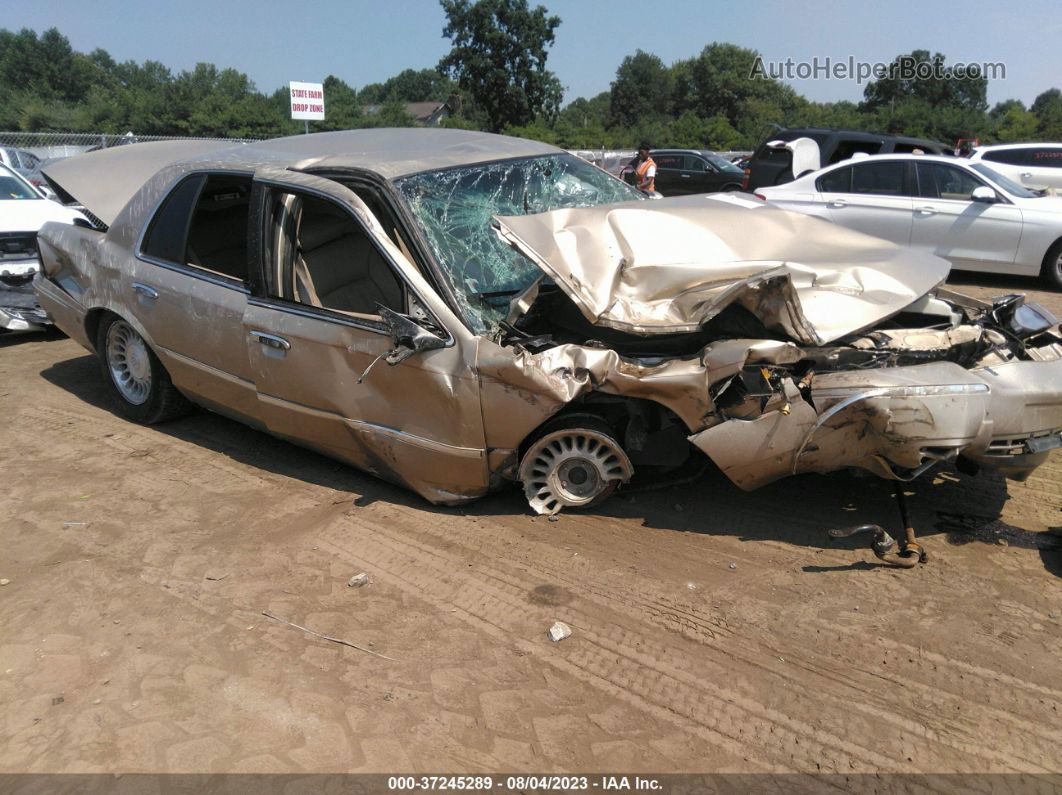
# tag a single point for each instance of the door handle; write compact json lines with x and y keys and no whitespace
{"x":684,"y":176}
{"x":1026,"y":174}
{"x":146,"y":291}
{"x":271,"y":340}
{"x":926,"y":210}
{"x":838,"y":203}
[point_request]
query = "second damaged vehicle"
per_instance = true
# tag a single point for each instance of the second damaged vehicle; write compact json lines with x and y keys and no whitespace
{"x":453,"y":311}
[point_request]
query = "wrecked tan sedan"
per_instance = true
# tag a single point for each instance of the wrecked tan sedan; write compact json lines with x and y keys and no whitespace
{"x":453,"y":311}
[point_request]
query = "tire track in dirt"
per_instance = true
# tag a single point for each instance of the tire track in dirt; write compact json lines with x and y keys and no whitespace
{"x":921,"y":722}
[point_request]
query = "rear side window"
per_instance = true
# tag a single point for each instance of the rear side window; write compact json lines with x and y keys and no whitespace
{"x":879,"y":179}
{"x":839,"y":181}
{"x":217,"y":237}
{"x":1013,"y":157}
{"x":203,"y":223}
{"x":669,"y":161}
{"x":846,"y":148}
{"x":169,"y":228}
{"x":1049,"y":158}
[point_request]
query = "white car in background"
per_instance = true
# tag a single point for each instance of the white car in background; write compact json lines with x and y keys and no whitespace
{"x":23,"y":211}
{"x":963,"y":211}
{"x":1033,"y":165}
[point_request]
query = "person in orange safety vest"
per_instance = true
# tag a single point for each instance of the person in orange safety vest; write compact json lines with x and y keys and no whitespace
{"x":644,"y":168}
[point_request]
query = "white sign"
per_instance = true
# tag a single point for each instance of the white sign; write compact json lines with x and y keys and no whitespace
{"x":307,"y":101}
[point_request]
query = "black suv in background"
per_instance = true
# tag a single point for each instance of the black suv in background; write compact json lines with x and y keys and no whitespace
{"x":769,"y":166}
{"x":683,"y":171}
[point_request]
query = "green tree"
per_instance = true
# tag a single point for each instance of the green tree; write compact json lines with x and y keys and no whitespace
{"x":499,"y":55}
{"x":409,"y":85}
{"x":920,"y":76}
{"x":1047,"y":108}
{"x":641,"y":91}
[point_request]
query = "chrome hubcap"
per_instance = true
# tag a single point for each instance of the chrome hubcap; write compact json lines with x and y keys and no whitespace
{"x":572,"y":468}
{"x":128,"y":362}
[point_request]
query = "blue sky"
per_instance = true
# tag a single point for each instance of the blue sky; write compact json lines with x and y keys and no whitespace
{"x":365,"y":41}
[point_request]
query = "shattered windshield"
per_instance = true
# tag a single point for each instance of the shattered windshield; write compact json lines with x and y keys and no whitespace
{"x":455,"y":206}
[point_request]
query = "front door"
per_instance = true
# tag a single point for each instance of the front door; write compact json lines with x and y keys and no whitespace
{"x":947,"y":222}
{"x":316,"y":328}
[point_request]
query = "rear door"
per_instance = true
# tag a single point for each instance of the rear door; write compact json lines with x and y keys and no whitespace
{"x":188,"y":289}
{"x":1042,"y":167}
{"x":314,"y":329}
{"x":870,"y":197}
{"x":947,"y":222}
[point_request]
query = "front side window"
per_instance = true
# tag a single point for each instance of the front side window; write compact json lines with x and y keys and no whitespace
{"x":325,"y":258}
{"x":455,"y":207}
{"x":203,"y":223}
{"x":879,"y":179}
{"x":938,"y":181}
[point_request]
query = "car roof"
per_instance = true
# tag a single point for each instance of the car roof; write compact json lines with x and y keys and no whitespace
{"x":389,"y":152}
{"x":1026,"y":145}
{"x":860,"y":135}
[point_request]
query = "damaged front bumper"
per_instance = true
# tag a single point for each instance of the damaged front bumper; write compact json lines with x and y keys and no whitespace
{"x":19,"y":310}
{"x":898,"y":422}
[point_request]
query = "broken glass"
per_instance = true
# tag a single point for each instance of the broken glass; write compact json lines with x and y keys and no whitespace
{"x":455,"y":207}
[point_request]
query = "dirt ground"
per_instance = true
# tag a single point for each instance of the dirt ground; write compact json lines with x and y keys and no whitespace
{"x":714,"y":630}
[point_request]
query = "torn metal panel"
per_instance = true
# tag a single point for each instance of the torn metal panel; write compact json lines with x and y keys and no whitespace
{"x":670,"y":265}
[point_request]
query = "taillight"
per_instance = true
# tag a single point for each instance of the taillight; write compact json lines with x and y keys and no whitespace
{"x":745,"y":180}
{"x":760,"y":196}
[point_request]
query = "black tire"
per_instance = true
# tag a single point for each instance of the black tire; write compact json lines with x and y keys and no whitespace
{"x":149,"y":398}
{"x":1052,"y":267}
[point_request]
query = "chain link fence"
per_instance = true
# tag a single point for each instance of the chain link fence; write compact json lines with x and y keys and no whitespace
{"x":53,"y":146}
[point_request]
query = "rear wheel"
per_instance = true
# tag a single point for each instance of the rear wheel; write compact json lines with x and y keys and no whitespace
{"x":576,"y":462}
{"x":1052,"y":267}
{"x":140,"y":385}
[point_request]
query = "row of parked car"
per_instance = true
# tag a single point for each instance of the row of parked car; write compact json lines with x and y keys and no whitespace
{"x":994,"y":211}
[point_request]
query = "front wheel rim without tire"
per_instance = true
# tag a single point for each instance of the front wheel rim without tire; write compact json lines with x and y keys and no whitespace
{"x":129,"y":363}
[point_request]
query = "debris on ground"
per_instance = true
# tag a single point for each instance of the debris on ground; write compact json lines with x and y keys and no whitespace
{"x":559,"y":631}
{"x":4,"y":581}
{"x":358,"y":580}
{"x":340,"y":641}
{"x":733,"y":567}
{"x":214,"y":576}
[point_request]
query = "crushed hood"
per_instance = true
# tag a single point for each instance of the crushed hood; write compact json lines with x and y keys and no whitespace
{"x":669,"y":265}
{"x":104,"y":181}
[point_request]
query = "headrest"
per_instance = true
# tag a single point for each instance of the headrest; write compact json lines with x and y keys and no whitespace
{"x":316,"y":230}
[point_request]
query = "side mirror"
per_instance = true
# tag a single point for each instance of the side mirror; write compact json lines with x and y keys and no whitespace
{"x":407,"y":338}
{"x":984,"y":194}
